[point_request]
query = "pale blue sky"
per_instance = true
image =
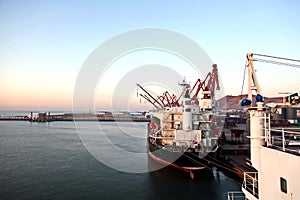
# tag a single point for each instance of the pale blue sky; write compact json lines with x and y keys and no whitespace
{"x":44,"y":43}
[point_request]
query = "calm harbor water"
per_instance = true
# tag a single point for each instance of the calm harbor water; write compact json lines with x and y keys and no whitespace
{"x":49,"y":161}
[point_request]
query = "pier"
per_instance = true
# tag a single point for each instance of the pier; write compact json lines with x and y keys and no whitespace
{"x":23,"y":118}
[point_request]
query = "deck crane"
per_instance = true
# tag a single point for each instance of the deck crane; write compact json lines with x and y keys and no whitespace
{"x":252,"y":77}
{"x":208,"y":85}
{"x":166,"y":100}
{"x":253,"y":84}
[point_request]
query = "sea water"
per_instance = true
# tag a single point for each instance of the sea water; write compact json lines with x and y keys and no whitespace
{"x":50,"y":161}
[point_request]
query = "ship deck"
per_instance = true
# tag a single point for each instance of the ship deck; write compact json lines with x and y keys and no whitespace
{"x":295,"y":150}
{"x":285,"y":139}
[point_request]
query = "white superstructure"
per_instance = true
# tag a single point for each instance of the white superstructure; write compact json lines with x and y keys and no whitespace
{"x":187,"y":126}
{"x":187,"y":111}
{"x":273,"y":155}
{"x":276,"y":162}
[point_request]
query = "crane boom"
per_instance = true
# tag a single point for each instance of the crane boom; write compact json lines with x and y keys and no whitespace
{"x":168,"y":100}
{"x":210,"y":83}
{"x":252,"y":77}
{"x":253,"y":84}
{"x":213,"y":81}
{"x":208,"y":86}
{"x":148,"y":99}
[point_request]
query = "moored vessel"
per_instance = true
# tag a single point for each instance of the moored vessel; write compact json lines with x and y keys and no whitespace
{"x":184,"y":131}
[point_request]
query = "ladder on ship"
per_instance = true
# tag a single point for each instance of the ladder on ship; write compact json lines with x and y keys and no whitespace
{"x":267,"y":128}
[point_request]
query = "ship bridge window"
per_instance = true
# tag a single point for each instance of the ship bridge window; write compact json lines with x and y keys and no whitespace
{"x":188,"y":102}
{"x":283,"y":185}
{"x":188,"y":110}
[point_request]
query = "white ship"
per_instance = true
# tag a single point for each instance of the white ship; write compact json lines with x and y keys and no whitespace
{"x":275,"y":152}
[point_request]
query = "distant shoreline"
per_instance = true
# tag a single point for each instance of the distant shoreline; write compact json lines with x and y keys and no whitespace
{"x":47,"y":117}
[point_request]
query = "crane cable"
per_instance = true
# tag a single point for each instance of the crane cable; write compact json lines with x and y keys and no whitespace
{"x":278,"y":63}
{"x":244,"y":78}
{"x":276,"y":57}
{"x":271,"y":62}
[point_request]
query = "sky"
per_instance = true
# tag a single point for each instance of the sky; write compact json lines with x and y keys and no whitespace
{"x":44,"y":45}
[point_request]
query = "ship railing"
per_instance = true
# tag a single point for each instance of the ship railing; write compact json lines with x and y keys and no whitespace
{"x":250,"y":183}
{"x":284,"y":140}
{"x":236,"y":195}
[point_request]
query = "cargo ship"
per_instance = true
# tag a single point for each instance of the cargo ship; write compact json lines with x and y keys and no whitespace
{"x":184,"y":131}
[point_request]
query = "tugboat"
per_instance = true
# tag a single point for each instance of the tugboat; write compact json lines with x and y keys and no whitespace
{"x":182,"y":135}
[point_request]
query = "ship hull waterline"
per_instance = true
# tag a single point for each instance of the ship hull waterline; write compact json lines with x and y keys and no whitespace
{"x":188,"y":162}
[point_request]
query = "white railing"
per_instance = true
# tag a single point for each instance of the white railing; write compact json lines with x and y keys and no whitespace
{"x":250,"y":183}
{"x":236,"y":195}
{"x":285,"y":138}
{"x":285,"y":135}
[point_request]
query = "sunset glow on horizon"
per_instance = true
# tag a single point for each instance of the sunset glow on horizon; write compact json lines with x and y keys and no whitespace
{"x":44,"y":44}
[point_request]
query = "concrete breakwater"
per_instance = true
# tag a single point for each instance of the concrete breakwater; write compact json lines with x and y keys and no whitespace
{"x":24,"y":118}
{"x":91,"y":117}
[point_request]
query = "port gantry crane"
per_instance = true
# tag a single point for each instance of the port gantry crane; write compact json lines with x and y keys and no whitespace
{"x":168,"y":101}
{"x":207,"y":86}
{"x":150,"y":98}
